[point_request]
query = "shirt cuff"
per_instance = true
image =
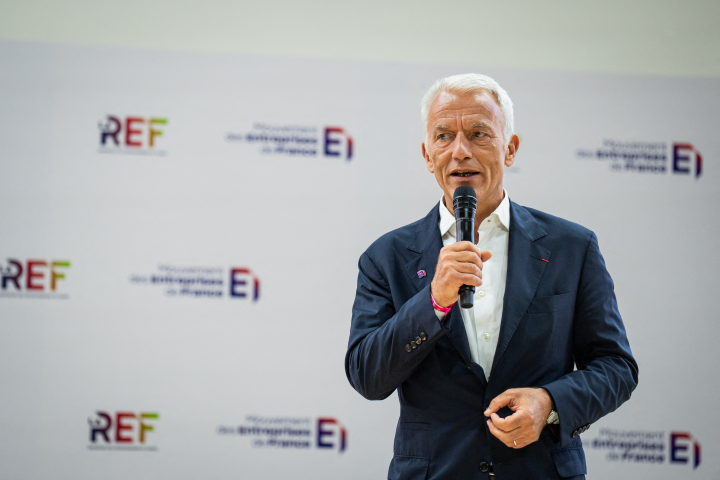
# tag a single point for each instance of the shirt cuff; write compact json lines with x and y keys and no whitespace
{"x":441,"y":312}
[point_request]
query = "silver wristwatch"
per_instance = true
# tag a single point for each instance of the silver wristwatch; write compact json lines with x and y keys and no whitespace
{"x":553,"y":417}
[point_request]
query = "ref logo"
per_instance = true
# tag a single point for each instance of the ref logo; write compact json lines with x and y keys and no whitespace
{"x":244,"y":284}
{"x":33,"y":275}
{"x":121,"y":428}
{"x":335,"y":141}
{"x":680,"y":449}
{"x":330,"y":434}
{"x":131,"y":133}
{"x":685,"y":157}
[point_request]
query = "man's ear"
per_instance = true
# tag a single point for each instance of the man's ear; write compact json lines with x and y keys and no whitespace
{"x":511,"y":150}
{"x":428,"y":162}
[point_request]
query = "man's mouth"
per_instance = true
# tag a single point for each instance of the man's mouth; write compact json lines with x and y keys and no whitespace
{"x":464,"y":174}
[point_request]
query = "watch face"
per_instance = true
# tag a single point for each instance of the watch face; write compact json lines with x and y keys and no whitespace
{"x":553,"y":417}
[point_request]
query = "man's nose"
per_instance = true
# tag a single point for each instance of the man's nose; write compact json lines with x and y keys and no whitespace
{"x":461,"y":147}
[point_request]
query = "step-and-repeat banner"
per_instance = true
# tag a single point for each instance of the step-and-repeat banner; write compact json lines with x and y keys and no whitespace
{"x":179,"y":236}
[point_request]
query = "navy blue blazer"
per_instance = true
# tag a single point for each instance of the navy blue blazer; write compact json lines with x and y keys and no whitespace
{"x":559,"y":313}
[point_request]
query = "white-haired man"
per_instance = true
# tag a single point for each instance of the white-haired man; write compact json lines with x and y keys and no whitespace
{"x":503,"y":389}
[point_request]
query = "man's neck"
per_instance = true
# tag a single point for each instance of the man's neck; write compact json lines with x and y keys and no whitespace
{"x":484,"y":210}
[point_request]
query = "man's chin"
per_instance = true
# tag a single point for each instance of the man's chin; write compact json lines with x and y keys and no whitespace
{"x":475,"y":183}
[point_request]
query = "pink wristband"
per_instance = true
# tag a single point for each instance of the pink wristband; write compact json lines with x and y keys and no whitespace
{"x":437,"y":307}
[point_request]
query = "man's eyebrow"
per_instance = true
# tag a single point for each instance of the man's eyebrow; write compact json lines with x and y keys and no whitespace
{"x":441,"y":127}
{"x":480,"y":125}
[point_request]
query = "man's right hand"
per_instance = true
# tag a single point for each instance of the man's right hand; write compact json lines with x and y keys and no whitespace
{"x":458,"y":264}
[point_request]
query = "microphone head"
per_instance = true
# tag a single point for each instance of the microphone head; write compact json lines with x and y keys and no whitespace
{"x":464,"y":191}
{"x":464,"y":202}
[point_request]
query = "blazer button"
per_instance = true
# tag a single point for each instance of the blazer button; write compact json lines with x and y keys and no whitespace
{"x":484,"y":467}
{"x":408,"y":348}
{"x":418,"y":340}
{"x":575,"y":434}
{"x":413,"y":344}
{"x":423,"y":336}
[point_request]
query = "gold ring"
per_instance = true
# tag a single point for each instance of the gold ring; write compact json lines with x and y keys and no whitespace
{"x":515,"y":443}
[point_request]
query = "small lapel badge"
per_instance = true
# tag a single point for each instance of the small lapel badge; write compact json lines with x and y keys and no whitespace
{"x":421,"y":273}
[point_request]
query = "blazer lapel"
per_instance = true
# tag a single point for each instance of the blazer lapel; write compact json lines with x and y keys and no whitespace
{"x":526,"y":263}
{"x":427,"y":243}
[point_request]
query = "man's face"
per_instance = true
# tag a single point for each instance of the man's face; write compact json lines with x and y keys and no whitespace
{"x":465,"y":146}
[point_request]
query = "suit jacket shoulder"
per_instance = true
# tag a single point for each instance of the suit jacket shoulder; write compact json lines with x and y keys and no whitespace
{"x":555,"y":226}
{"x":414,"y":237}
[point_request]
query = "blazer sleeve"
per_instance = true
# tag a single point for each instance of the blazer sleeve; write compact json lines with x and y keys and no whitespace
{"x":606,"y":372}
{"x":378,"y":360}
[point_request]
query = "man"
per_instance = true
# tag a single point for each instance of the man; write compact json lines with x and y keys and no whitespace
{"x":501,"y":390}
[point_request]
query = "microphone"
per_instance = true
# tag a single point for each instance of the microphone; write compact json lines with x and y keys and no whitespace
{"x":465,"y":205}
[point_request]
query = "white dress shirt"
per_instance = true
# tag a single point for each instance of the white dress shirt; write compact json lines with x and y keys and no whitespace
{"x":482,"y":322}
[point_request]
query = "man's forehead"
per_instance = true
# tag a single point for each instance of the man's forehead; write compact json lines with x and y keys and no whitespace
{"x":471,"y":107}
{"x":472,"y":121}
{"x":454,"y":115}
{"x":449,"y":120}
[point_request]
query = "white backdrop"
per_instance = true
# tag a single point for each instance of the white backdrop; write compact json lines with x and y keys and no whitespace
{"x":196,"y":292}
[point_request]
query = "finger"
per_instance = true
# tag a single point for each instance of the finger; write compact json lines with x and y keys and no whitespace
{"x":511,"y":440}
{"x":450,"y":266}
{"x":499,"y":402}
{"x":464,"y":256}
{"x":482,"y":254}
{"x":469,"y":279}
{"x":523,"y":437}
{"x":516,"y":420}
{"x":456,"y":258}
{"x":467,"y":246}
{"x":515,"y":439}
{"x":467,"y":258}
{"x":499,"y":434}
{"x":463,"y":245}
{"x":520,"y":442}
{"x":463,"y":267}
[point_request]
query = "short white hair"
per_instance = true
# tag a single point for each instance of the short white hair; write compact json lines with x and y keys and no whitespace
{"x":471,"y":83}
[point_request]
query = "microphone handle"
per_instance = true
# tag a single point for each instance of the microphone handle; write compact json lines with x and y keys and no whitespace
{"x":465,"y":231}
{"x":466,"y":296}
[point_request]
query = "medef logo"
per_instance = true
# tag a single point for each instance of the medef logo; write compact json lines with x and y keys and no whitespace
{"x":297,"y":140}
{"x":33,"y":278}
{"x":282,"y":432}
{"x":244,"y":284}
{"x":237,"y":283}
{"x":647,"y":157}
{"x":132,"y":135}
{"x":684,"y":157}
{"x":121,"y":431}
{"x":335,"y":140}
{"x":647,"y":446}
{"x":330,"y":434}
{"x":683,"y":448}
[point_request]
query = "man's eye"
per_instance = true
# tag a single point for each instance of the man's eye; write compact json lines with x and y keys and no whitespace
{"x":479,"y":134}
{"x":443,"y":136}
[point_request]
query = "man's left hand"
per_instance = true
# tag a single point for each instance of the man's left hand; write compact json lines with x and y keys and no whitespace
{"x":531,"y":408}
